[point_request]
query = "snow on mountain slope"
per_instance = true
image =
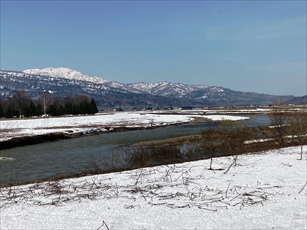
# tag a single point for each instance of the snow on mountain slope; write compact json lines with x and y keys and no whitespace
{"x":65,"y":73}
{"x":162,"y":88}
{"x":166,"y":88}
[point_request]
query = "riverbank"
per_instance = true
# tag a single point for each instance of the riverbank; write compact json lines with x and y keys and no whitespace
{"x":189,"y":195}
{"x":41,"y":138}
{"x":20,"y":132}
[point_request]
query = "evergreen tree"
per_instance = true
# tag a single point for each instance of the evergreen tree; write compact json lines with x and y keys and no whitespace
{"x":60,"y":110}
{"x":2,"y":114}
{"x":9,"y":112}
{"x":39,"y":109}
{"x":12,"y":112}
{"x":52,"y":110}
{"x":31,"y":109}
{"x":69,"y":108}
{"x":93,"y":107}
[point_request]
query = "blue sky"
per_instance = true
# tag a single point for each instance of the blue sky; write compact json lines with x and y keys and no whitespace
{"x":257,"y":46}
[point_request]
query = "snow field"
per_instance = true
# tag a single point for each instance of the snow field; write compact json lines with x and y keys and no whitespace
{"x":38,"y":126}
{"x":264,"y":191}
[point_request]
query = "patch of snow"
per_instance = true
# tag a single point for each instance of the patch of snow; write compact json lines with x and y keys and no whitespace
{"x":6,"y":159}
{"x":225,"y":117}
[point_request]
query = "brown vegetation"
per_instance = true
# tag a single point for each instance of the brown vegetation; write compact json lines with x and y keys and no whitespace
{"x":229,"y":138}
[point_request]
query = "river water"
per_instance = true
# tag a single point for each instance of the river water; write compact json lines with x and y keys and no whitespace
{"x":72,"y":156}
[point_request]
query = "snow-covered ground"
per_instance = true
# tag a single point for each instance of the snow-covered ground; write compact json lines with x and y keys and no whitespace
{"x":263,"y":191}
{"x":28,"y":127}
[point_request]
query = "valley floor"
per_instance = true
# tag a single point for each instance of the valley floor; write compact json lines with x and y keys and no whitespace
{"x":263,"y":191}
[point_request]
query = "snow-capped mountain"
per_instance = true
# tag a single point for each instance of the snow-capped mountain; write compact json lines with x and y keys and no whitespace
{"x":65,"y":73}
{"x":159,"y":88}
{"x":107,"y":94}
{"x":166,"y":88}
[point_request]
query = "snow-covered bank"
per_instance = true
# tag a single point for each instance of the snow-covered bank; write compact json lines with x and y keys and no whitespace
{"x":30,"y":127}
{"x":264,"y":191}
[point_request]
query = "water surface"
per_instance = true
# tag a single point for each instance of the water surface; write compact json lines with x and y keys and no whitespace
{"x":71,"y":156}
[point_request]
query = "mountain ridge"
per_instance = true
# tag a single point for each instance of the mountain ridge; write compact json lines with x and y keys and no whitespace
{"x":64,"y":81}
{"x":153,"y":88}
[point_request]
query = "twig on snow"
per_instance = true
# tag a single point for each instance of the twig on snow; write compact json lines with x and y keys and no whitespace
{"x":229,"y":167}
{"x":227,"y":188}
{"x":103,"y":224}
{"x":302,"y":188}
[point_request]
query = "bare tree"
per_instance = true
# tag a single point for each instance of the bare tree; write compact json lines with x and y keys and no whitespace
{"x":45,"y":99}
{"x":298,"y":127}
{"x":20,"y":101}
{"x":279,"y":119}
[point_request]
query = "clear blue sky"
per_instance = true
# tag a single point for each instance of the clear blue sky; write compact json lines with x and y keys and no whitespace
{"x":257,"y":46}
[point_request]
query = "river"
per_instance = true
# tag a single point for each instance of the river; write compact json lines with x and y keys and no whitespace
{"x":73,"y":156}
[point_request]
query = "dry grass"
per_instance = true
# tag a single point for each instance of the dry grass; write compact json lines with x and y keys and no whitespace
{"x":170,"y":186}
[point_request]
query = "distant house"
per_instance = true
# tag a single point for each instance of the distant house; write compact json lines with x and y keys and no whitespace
{"x":117,"y":109}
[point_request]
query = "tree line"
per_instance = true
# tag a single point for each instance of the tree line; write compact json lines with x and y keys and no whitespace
{"x":21,"y":104}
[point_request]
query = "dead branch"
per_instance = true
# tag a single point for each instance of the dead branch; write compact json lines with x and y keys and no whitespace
{"x":227,"y":189}
{"x":103,"y":224}
{"x":302,"y":188}
{"x":229,"y":167}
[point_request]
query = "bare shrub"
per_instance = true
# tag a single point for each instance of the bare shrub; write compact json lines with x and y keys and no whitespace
{"x":279,"y":119}
{"x":137,"y":157}
{"x":298,"y":128}
{"x":210,"y":144}
{"x":233,"y":136}
{"x":165,"y":153}
{"x":144,"y":156}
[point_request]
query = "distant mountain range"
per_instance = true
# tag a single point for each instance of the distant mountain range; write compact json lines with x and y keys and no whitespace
{"x":298,"y":100}
{"x":111,"y":94}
